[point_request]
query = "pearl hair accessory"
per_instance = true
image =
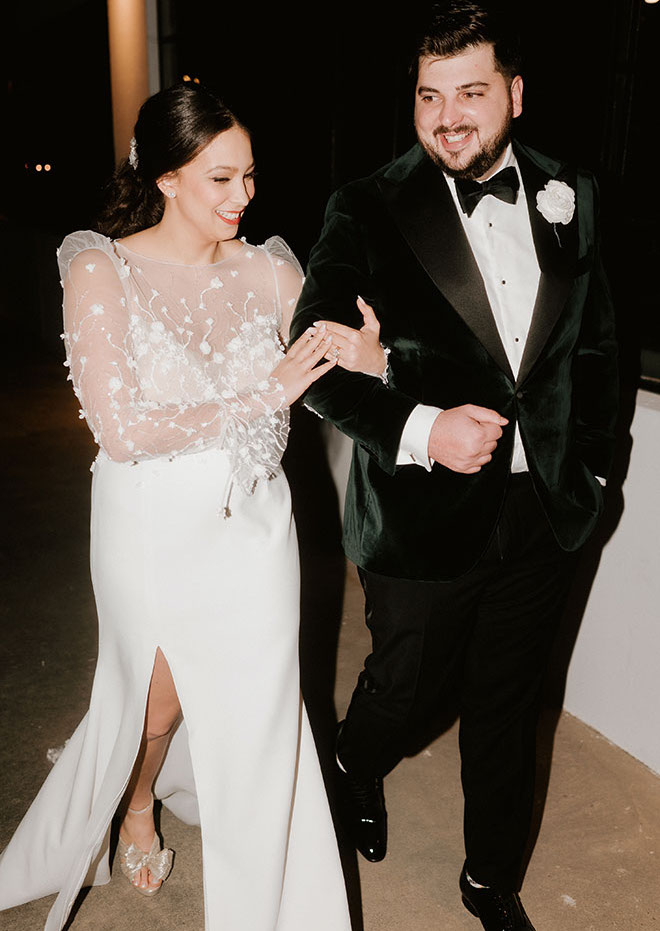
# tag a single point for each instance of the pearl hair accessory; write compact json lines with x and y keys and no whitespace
{"x":132,"y":154}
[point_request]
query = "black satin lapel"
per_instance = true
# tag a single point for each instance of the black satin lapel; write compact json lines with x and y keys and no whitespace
{"x":555,"y":246}
{"x":424,"y":211}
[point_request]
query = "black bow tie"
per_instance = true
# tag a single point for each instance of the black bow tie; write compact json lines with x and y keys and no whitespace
{"x":503,"y":185}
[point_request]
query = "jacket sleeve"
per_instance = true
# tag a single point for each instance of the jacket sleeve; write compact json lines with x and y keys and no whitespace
{"x":596,"y":387}
{"x":371,"y":413}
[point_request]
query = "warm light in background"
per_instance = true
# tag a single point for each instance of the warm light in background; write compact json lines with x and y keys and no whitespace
{"x":187,"y":77}
{"x":650,"y":1}
{"x":129,"y":70}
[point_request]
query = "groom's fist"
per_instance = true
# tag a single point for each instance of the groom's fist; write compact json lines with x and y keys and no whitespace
{"x":463,"y":438}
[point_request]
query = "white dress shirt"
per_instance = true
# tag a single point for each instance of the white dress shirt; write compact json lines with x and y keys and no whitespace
{"x":500,"y":236}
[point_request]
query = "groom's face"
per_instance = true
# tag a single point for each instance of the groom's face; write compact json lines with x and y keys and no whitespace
{"x":464,"y":108}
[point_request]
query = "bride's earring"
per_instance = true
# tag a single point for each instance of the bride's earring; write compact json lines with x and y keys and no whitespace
{"x":170,"y":193}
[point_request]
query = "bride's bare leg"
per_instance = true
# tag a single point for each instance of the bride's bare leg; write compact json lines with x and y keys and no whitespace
{"x":163,"y":712}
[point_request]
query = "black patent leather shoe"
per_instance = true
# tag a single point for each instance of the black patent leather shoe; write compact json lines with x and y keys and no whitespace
{"x":364,"y":814}
{"x":497,"y":911}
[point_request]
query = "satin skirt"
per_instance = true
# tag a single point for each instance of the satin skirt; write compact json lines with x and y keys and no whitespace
{"x":220,"y":597}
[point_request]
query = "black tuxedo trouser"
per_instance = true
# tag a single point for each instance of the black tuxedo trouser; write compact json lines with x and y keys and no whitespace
{"x":485,"y":637}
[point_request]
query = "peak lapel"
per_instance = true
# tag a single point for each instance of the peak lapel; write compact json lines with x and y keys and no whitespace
{"x":424,"y":211}
{"x":555,"y":250}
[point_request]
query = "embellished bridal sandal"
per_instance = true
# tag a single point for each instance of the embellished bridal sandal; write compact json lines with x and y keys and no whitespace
{"x":132,"y":859}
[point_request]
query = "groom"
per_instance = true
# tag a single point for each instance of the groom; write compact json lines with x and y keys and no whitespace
{"x":477,"y":468}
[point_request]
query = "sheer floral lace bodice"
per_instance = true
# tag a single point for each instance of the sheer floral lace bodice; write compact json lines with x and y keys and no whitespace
{"x":168,"y":359}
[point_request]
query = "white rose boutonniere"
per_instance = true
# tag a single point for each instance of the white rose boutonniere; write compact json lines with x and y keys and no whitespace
{"x":556,"y":202}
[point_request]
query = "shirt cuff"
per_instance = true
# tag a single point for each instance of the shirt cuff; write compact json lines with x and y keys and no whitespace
{"x":414,"y":444}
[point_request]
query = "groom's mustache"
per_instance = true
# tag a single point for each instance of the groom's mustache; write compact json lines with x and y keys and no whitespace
{"x":452,"y":130}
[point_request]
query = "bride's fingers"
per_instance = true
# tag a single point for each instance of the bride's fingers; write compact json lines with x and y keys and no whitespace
{"x":336,"y":350}
{"x":371,"y":322}
{"x":343,"y":341}
{"x":336,"y":329}
{"x":308,"y":356}
{"x":310,"y":341}
{"x":317,"y":348}
{"x":346,"y":339}
{"x":320,"y":370}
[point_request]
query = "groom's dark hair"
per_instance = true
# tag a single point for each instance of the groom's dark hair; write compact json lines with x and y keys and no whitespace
{"x":453,"y":26}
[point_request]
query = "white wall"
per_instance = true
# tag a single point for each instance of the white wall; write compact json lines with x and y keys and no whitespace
{"x":614,"y":676}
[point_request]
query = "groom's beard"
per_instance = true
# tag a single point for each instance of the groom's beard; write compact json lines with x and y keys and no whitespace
{"x":482,"y":161}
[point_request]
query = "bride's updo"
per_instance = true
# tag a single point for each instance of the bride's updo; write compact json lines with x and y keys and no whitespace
{"x":172,"y":127}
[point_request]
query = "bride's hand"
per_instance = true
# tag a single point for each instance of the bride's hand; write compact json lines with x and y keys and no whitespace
{"x":297,"y":371}
{"x":357,"y":350}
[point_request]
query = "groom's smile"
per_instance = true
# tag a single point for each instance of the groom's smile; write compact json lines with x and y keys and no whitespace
{"x":463,"y":111}
{"x":455,"y":140}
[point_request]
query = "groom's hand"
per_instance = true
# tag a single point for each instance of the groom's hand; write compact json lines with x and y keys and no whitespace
{"x":463,"y":438}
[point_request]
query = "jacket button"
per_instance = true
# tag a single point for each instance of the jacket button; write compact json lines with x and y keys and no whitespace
{"x":520,"y":394}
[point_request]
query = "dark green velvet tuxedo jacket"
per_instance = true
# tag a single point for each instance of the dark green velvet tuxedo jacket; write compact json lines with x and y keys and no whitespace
{"x":396,"y":239}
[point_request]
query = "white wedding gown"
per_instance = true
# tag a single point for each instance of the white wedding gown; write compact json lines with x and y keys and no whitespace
{"x":193,"y":550}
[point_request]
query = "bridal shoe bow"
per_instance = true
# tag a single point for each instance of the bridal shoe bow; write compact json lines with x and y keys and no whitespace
{"x":132,"y":859}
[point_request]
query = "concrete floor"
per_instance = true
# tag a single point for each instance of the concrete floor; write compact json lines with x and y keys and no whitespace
{"x":595,"y":866}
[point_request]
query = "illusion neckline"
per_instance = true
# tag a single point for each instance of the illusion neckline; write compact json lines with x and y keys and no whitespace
{"x":147,"y":258}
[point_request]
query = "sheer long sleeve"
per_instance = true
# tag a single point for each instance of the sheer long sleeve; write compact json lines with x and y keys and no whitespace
{"x":143,"y":390}
{"x":288,"y":279}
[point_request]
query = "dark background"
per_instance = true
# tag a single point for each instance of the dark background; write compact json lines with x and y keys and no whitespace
{"x":325,"y":90}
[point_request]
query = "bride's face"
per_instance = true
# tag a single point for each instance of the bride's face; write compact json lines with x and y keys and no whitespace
{"x":213,"y":190}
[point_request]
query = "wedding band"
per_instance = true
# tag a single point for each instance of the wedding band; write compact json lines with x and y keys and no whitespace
{"x":335,"y":352}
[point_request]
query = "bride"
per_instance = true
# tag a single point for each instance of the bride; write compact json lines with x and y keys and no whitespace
{"x":173,"y":330}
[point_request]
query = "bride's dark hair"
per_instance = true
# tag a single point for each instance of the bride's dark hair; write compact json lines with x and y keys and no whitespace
{"x":172,"y":127}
